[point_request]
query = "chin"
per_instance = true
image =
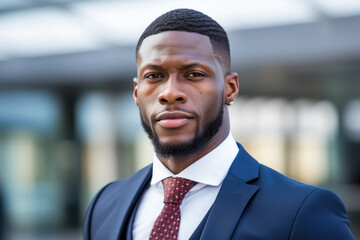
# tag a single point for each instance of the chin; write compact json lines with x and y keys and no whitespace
{"x":175,"y":140}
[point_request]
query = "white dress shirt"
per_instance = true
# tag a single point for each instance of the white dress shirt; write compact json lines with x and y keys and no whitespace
{"x":209,"y":171}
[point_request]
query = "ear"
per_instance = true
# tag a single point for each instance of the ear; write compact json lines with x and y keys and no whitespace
{"x":231,"y":87}
{"x":135,"y":80}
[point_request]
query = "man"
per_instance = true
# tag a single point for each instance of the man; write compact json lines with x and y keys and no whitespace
{"x":202,"y":184}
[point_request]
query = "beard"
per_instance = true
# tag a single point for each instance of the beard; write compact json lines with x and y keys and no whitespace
{"x":186,"y":149}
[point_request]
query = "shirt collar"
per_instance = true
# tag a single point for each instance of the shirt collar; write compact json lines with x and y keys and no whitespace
{"x":211,"y":169}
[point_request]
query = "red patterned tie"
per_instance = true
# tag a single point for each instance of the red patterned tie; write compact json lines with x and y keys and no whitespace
{"x":167,"y":223}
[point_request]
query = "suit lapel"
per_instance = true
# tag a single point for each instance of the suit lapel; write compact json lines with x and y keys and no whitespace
{"x":234,"y":195}
{"x":129,"y":198}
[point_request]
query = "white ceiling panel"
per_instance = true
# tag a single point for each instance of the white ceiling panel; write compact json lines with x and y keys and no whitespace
{"x":339,"y":8}
{"x":42,"y":32}
{"x":247,"y":14}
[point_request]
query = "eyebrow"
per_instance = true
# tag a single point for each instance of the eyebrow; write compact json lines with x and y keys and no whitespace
{"x":192,"y":65}
{"x":186,"y":66}
{"x":154,"y":66}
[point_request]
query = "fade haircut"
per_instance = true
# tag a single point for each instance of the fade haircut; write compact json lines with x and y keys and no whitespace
{"x":189,"y":20}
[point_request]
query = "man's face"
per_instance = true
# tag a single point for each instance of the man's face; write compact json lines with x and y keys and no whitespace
{"x":179,"y":91}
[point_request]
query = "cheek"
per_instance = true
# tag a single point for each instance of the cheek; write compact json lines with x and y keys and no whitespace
{"x":209,"y":106}
{"x":146,"y":98}
{"x":145,"y":112}
{"x":144,"y":92}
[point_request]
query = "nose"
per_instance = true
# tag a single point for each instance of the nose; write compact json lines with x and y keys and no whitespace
{"x":172,"y":92}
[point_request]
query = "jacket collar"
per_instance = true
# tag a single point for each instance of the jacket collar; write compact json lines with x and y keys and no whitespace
{"x":232,"y":199}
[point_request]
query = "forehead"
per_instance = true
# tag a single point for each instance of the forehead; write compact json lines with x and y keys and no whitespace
{"x":184,"y":45}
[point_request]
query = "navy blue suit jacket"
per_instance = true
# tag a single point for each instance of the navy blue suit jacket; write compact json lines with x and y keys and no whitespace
{"x":254,"y":202}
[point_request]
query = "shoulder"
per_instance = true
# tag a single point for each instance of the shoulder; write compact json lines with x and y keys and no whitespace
{"x":322,"y":214}
{"x":316,"y":213}
{"x":275,"y":189}
{"x":290,"y":191}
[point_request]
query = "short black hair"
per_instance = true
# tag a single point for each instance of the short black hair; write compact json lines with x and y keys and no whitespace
{"x":189,"y":20}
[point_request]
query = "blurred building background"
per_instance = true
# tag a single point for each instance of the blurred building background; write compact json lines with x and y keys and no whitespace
{"x":68,"y":124}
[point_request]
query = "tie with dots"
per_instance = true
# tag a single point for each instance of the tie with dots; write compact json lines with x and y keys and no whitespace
{"x":167,"y":223}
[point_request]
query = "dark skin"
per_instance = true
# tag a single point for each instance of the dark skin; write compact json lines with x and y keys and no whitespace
{"x":181,"y":85}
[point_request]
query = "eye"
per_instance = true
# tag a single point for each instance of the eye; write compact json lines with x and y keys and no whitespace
{"x":153,"y":76}
{"x":195,"y":75}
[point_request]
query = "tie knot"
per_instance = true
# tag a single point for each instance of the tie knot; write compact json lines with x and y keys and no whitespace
{"x":175,"y":189}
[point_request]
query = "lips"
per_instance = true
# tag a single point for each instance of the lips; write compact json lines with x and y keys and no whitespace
{"x":173,"y":119}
